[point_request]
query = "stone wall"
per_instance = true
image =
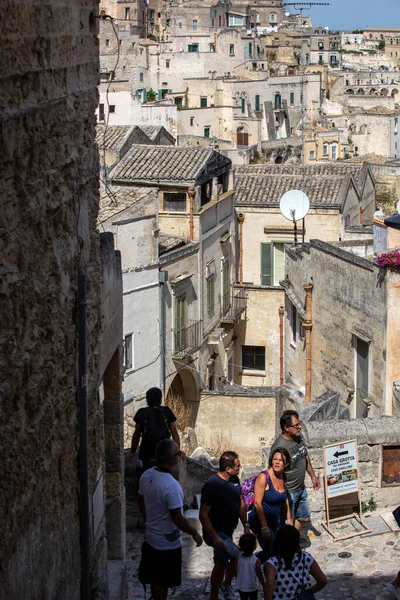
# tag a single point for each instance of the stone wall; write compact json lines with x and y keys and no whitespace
{"x":48,"y":219}
{"x":372,"y":435}
{"x":348,"y":300}
{"x":237,"y":420}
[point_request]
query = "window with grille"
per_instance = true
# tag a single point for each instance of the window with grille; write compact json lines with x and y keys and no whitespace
{"x":128,"y":351}
{"x":253,"y":358}
{"x":174,"y":202}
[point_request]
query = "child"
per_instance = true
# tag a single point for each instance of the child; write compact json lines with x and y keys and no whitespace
{"x":248,"y":568}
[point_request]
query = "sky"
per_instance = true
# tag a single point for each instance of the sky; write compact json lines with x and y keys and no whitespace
{"x":356,"y":14}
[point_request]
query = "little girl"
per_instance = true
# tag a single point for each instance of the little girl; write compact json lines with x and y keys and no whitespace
{"x":248,"y":568}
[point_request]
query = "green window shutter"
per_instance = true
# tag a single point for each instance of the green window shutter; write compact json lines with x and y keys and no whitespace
{"x":257,"y":103}
{"x":291,"y":98}
{"x":160,"y":94}
{"x":279,"y":263}
{"x":243,"y":105}
{"x":267,"y":264}
{"x":225,"y":286}
{"x":180,"y":323}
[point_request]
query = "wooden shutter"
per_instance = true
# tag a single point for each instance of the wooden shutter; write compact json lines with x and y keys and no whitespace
{"x":225,"y":286}
{"x":279,"y":263}
{"x":180,"y":323}
{"x":257,"y":102}
{"x":267,"y":264}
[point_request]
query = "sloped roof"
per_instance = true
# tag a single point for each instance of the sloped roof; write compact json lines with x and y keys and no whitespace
{"x":325,"y":184}
{"x":115,"y":200}
{"x":155,"y":164}
{"x":152,"y":131}
{"x":114,"y":137}
{"x":169,"y":242}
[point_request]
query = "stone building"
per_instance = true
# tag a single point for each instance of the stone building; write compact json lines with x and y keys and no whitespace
{"x":175,"y":224}
{"x":62,"y":506}
{"x":337,"y":194}
{"x":340,"y":330}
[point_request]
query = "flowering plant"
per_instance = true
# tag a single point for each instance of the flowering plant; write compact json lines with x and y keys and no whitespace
{"x":389,"y":260}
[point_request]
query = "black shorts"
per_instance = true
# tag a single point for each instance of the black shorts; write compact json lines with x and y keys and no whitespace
{"x":162,"y":567}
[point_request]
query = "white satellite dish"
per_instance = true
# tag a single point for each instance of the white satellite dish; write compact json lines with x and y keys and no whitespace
{"x":294,"y":205}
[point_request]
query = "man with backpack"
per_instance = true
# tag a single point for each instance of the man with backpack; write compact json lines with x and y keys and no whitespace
{"x":153,"y":424}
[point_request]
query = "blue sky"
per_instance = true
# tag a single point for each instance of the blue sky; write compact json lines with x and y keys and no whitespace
{"x":356,"y":14}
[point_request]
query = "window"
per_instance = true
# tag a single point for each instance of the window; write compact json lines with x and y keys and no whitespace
{"x":112,"y":108}
{"x":321,"y":59}
{"x":325,"y":150}
{"x":257,"y":102}
{"x":242,"y":137}
{"x":333,"y":59}
{"x":272,"y":18}
{"x":272,"y":263}
{"x":206,"y":132}
{"x":312,"y":154}
{"x":278,"y":101}
{"x":101,"y":112}
{"x":191,"y":121}
{"x":334,"y":152}
{"x":203,"y":102}
{"x":107,"y":43}
{"x":140,"y":76}
{"x":296,"y":325}
{"x":127,"y":13}
{"x":193,"y":48}
{"x":225,"y":286}
{"x":396,"y":124}
{"x":212,"y":48}
{"x":210,"y":277}
{"x":320,"y":45}
{"x":167,"y":63}
{"x":253,"y":358}
{"x":120,"y":42}
{"x":128,"y":351}
{"x":243,"y":105}
{"x":151,"y":16}
{"x":232,"y":50}
{"x":194,"y":25}
{"x":361,"y":375}
{"x":262,"y":66}
{"x":174,"y":202}
{"x":291,"y":98}
{"x":250,"y":49}
{"x":180,"y":323}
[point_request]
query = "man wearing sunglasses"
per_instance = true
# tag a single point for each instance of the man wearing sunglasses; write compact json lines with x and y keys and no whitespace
{"x":293,"y":441}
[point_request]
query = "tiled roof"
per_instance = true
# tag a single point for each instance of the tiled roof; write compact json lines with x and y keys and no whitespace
{"x":325,"y":184}
{"x":155,"y":164}
{"x":114,"y":137}
{"x":379,"y":110}
{"x":151,"y":131}
{"x":115,"y":200}
{"x":169,"y":242}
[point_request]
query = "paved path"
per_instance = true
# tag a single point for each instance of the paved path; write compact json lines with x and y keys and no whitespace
{"x":367,"y":564}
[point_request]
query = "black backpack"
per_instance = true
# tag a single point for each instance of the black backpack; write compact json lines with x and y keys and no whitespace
{"x":155,"y":426}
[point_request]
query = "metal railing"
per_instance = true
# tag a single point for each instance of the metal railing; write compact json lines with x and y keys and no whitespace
{"x":187,"y":339}
{"x":237,"y":305}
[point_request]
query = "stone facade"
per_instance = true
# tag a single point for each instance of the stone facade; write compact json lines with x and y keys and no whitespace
{"x":49,"y":95}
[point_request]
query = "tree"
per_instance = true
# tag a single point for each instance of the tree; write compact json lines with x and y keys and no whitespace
{"x":381,"y":45}
{"x":151,"y":95}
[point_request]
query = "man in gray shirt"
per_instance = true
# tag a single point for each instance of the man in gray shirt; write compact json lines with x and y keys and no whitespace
{"x":293,"y":441}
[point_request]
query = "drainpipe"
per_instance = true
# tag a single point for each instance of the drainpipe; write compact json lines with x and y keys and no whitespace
{"x":83,"y":440}
{"x":240,"y":221}
{"x":162,"y":278}
{"x":307,"y":328}
{"x":281,"y":313}
{"x":192,"y":193}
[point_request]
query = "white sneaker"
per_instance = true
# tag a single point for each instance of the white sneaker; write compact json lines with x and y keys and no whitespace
{"x":227,"y":592}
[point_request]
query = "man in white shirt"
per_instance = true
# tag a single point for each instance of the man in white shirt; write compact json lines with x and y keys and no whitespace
{"x":160,"y":501}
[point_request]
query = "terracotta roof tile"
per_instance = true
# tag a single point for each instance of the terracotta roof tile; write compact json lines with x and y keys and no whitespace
{"x":114,"y":136}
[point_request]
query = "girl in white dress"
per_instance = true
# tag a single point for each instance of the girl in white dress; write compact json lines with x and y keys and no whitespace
{"x":248,"y":568}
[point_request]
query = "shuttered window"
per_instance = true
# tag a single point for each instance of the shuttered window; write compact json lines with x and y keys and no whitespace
{"x":180,"y":323}
{"x":257,"y":102}
{"x":225,"y":286}
{"x":272,"y":263}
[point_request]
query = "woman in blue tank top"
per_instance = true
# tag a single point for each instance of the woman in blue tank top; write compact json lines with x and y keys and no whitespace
{"x":271,"y":504}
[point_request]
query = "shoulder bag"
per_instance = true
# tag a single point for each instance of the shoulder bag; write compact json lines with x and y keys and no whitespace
{"x":304,"y":594}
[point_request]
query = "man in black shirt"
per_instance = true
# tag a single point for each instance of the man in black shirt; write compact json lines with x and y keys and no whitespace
{"x":221,"y":507}
{"x":152,"y":424}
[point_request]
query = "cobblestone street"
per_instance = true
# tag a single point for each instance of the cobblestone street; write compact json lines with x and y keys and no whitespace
{"x":357,"y":569}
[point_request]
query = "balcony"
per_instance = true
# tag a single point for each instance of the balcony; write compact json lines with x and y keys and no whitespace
{"x":232,"y":310}
{"x":187,"y":339}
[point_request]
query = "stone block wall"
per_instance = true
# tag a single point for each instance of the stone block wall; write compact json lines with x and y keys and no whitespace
{"x":49,"y":191}
{"x":372,"y":435}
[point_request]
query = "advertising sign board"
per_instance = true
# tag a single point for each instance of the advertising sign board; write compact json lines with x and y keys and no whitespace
{"x":341,"y":468}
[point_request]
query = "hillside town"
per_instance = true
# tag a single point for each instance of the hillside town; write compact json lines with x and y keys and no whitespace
{"x":200,"y":300}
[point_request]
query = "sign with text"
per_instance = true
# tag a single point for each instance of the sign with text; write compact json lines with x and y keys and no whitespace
{"x":341,"y":468}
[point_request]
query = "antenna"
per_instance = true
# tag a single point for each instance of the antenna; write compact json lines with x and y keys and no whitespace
{"x":294,"y":206}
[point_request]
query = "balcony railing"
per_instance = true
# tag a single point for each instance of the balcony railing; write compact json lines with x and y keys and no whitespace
{"x":237,"y":305}
{"x":187,"y":339}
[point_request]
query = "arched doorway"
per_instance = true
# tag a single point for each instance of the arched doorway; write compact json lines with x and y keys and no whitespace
{"x":183,"y":398}
{"x":279,"y":160}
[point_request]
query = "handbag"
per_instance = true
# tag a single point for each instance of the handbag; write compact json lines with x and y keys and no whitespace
{"x":304,"y":594}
